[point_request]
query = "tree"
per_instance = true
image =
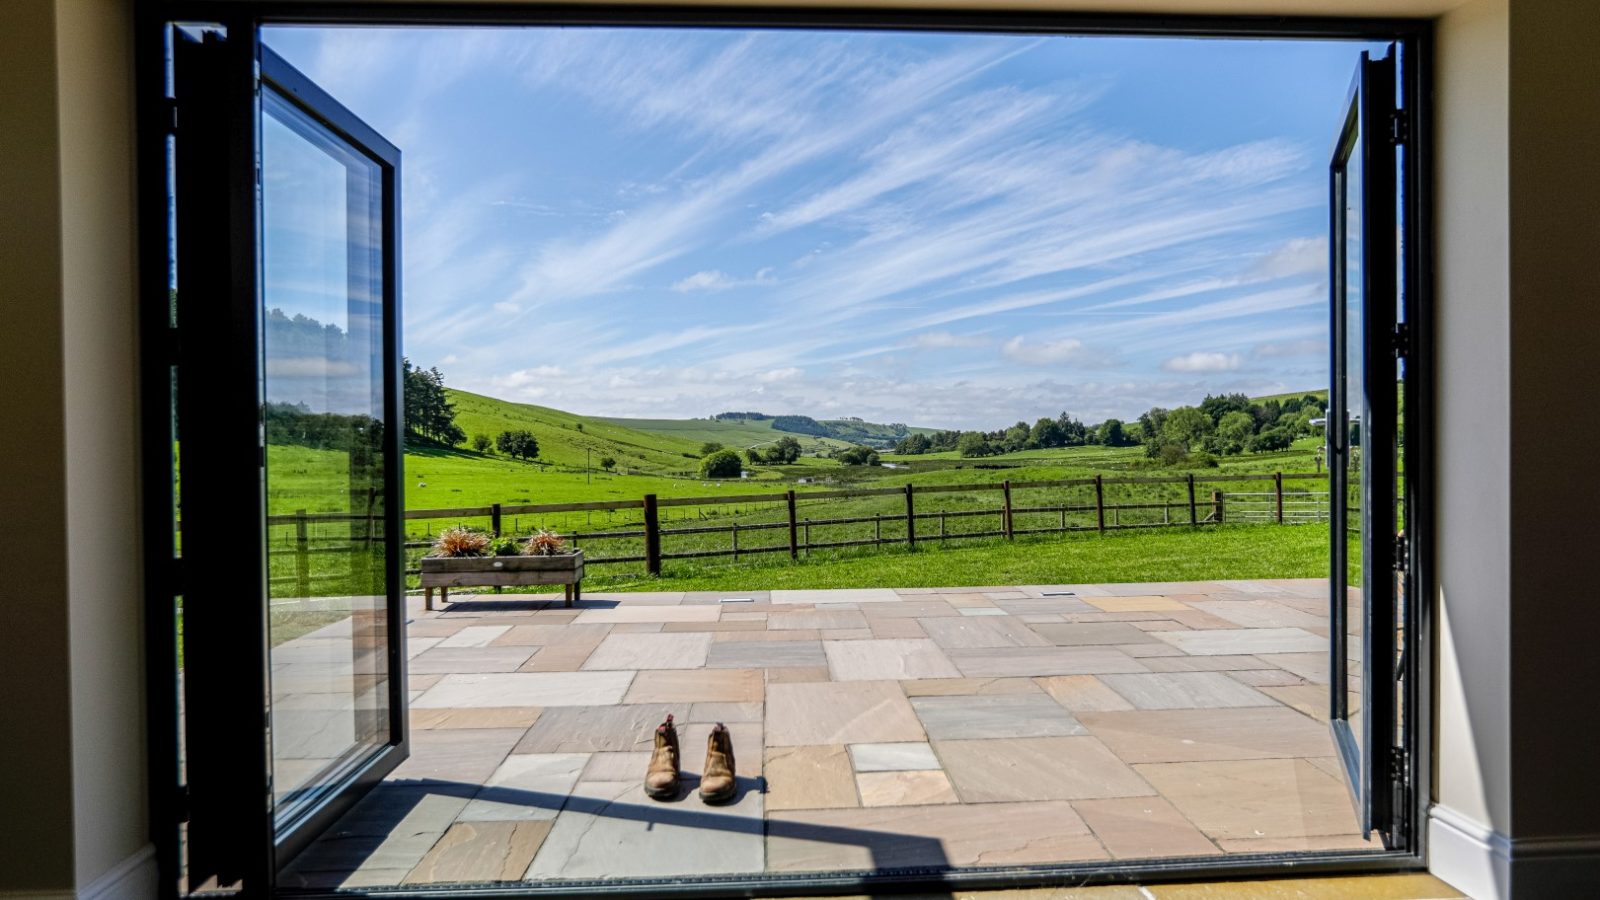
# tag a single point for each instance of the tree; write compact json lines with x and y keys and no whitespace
{"x":1186,"y":427}
{"x":1269,"y":440}
{"x":1046,"y":433}
{"x":481,"y":442}
{"x":785,"y":451}
{"x":1016,"y":437}
{"x":754,"y":456}
{"x":709,"y":447}
{"x":721,"y":464}
{"x":1073,"y":432}
{"x":608,"y":463}
{"x":1111,"y":433}
{"x":913,"y":445}
{"x":1234,"y":430}
{"x":858,"y":456}
{"x":430,"y":416}
{"x":973,"y":443}
{"x":1215,"y":407}
{"x":517,"y":444}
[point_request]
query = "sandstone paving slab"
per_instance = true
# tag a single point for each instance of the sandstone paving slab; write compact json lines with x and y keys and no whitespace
{"x":736,"y":637}
{"x":480,"y":851}
{"x":475,"y":636}
{"x":1152,"y":649}
{"x":765,"y":654}
{"x":458,"y":755}
{"x":1268,"y":678}
{"x":816,"y":618}
{"x":1028,"y":661}
{"x":540,"y":635}
{"x":881,"y":838}
{"x":994,"y":716}
{"x":616,"y":765}
{"x":542,"y":689}
{"x":1143,"y":828}
{"x":845,"y":634}
{"x":851,"y":595}
{"x":1182,"y":662}
{"x":796,"y":674}
{"x":662,"y":613}
{"x":526,"y":787}
{"x":479,"y":717}
{"x":1071,"y":634}
{"x":908,"y":788}
{"x":859,"y":712}
{"x":1047,"y":768}
{"x":1185,"y":690}
{"x":1083,"y":693}
{"x":963,"y":632}
{"x":895,"y":757}
{"x":415,"y":646}
{"x":1192,"y":735}
{"x":896,"y":628}
{"x":919,"y":606}
{"x":982,"y":611}
{"x":594,"y":729}
{"x":1044,"y":606}
{"x":1132,"y":604}
{"x":887,"y":659}
{"x":723,"y":624}
{"x":729,"y":712}
{"x":1313,"y":667}
{"x":650,"y":651}
{"x":451,"y":660}
{"x":1256,"y":799}
{"x":1244,"y":641}
{"x":1259,"y":614}
{"x":696,"y":686}
{"x":809,"y":777}
{"x":610,"y":829}
{"x":940,"y":687}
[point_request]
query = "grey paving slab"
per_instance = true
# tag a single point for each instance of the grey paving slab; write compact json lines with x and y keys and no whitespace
{"x":595,"y":729}
{"x":610,"y":829}
{"x":1185,"y":690}
{"x":964,"y":632}
{"x":765,"y":654}
{"x":892,"y":659}
{"x":978,"y":663}
{"x":959,"y":717}
{"x":441,"y":660}
{"x":526,"y":689}
{"x":1071,"y":634}
{"x":1242,"y":641}
{"x":904,"y":756}
{"x":526,"y":787}
{"x":679,"y":650}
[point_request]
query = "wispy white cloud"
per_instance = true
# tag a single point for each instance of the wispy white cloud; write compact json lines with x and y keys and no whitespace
{"x":717,"y":280}
{"x":1201,"y":361}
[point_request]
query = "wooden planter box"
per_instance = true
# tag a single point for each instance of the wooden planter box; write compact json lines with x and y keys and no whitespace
{"x":446,"y":572}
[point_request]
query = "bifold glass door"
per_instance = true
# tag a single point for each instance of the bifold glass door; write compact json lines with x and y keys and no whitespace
{"x":1362,"y":431}
{"x":285,"y":260}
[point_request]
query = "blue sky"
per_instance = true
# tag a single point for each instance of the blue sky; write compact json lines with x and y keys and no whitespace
{"x":944,"y":230}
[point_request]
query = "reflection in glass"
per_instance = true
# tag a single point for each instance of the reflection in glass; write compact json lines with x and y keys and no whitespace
{"x":322,"y":252}
{"x":1357,"y":420}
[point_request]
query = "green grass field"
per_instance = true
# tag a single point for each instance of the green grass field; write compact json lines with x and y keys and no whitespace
{"x":737,"y":435}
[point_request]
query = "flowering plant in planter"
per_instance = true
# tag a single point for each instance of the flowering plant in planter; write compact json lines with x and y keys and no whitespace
{"x":460,"y":542}
{"x":546,"y":543}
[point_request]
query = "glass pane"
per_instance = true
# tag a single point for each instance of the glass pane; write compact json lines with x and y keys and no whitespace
{"x":1356,"y":424}
{"x":322,"y":252}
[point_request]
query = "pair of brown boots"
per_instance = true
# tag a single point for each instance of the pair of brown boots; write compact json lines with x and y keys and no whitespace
{"x":717,"y":781}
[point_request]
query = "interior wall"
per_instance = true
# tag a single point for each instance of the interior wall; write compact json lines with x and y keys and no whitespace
{"x":1555,"y":347}
{"x":36,"y":751}
{"x":72,"y":818}
{"x":100,"y":381}
{"x":1473,"y":460}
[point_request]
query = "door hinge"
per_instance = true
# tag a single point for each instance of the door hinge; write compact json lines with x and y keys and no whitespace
{"x":1401,"y":338}
{"x":1399,"y":127}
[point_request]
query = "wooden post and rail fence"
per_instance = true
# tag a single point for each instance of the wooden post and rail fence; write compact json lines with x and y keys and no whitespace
{"x":1235,"y":507}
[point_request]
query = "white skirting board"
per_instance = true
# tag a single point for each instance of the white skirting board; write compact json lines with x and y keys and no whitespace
{"x":1485,"y":864}
{"x":132,"y":879}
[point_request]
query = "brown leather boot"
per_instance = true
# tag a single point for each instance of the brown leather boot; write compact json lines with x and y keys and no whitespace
{"x":717,"y":779}
{"x":661,"y":778}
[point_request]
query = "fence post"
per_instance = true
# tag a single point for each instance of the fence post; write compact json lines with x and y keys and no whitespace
{"x":1278,"y":481}
{"x":941,"y":525}
{"x":794,"y":548}
{"x":911,"y":520}
{"x":736,"y":542}
{"x":302,"y":555}
{"x":652,"y":536}
{"x":1005,"y":519}
{"x":1100,"y":502}
{"x":877,"y":529}
{"x":494,"y":519}
{"x":1193,"y":519}
{"x":808,"y":538}
{"x":1217,"y":506}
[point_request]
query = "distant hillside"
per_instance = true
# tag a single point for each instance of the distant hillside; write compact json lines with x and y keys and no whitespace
{"x":565,"y":437}
{"x":1319,"y":394}
{"x":741,"y":430}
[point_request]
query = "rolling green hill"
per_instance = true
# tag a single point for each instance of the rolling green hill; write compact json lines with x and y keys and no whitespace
{"x":566,"y":439}
{"x":737,"y":434}
{"x":1321,"y":394}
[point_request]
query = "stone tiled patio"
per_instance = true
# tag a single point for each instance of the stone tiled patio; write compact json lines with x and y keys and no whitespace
{"x":874,"y":729}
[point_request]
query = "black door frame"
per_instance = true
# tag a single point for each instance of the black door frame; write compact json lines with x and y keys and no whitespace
{"x":164,"y":577}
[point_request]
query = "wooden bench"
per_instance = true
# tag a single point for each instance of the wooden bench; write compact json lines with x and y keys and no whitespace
{"x":446,"y":572}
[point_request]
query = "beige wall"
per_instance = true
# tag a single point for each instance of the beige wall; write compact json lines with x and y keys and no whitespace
{"x":35,"y":723}
{"x":1473,"y":378}
{"x":72,"y":759}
